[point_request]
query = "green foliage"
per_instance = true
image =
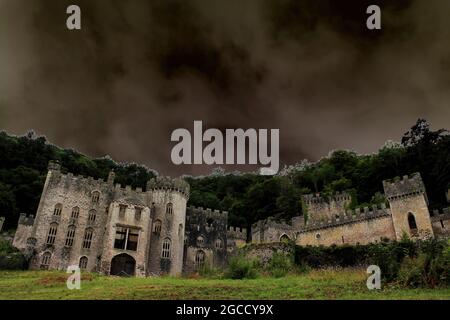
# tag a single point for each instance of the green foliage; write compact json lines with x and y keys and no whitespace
{"x":240,"y":267}
{"x":11,"y":258}
{"x":279,"y":265}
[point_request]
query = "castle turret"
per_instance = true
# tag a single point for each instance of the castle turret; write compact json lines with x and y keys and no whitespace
{"x":409,"y":206}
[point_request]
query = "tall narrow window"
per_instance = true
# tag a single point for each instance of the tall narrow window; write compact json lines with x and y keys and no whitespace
{"x":219,"y":244}
{"x":92,"y":215}
{"x":70,"y":236}
{"x":132,"y":239}
{"x":87,"y":238}
{"x":165,"y":253}
{"x":157,"y":226}
{"x":169,"y":208}
{"x":412,"y":222}
{"x":83,"y":263}
{"x":95,"y":197}
{"x":122,"y":209}
{"x":199,"y":259}
{"x":137,"y":213}
{"x":200,"y":241}
{"x":51,"y":235}
{"x":46,"y":260}
{"x":57,"y":210}
{"x":75,"y":213}
{"x":121,"y":235}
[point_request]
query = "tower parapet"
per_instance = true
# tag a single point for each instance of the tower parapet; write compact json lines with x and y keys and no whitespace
{"x":406,"y":186}
{"x":167,"y":183}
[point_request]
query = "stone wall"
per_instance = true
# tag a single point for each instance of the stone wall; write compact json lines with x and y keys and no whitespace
{"x":441,"y":222}
{"x":263,"y":252}
{"x":364,"y":231}
{"x":323,"y":208}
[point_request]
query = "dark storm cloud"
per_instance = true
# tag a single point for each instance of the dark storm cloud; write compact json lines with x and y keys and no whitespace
{"x":140,"y":69}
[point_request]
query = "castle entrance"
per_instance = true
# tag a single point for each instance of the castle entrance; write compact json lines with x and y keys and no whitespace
{"x":123,"y":265}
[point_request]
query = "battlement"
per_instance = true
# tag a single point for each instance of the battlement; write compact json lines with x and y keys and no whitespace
{"x":26,"y":220}
{"x":237,"y":233}
{"x":208,"y":213}
{"x":437,"y":214}
{"x":318,"y":198}
{"x":349,"y":216}
{"x":406,"y":186}
{"x":167,"y":183}
{"x":270,"y":223}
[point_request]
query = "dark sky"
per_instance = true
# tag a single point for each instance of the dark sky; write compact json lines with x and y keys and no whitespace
{"x":140,"y":69}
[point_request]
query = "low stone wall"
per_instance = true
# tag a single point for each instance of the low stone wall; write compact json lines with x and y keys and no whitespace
{"x":263,"y":252}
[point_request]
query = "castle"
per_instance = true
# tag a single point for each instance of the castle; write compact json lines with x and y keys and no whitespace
{"x":101,"y":226}
{"x":105,"y":228}
{"x":329,"y":221}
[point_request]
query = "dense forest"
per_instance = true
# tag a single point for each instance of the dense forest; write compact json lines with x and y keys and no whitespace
{"x":247,"y":196}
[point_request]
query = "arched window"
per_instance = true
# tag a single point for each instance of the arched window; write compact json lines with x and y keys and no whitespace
{"x":95,"y":197}
{"x":199,"y":259}
{"x":200,"y":241}
{"x":284,"y":238}
{"x":57,"y":210}
{"x":75,"y":213}
{"x":219,"y":244}
{"x":412,"y":222}
{"x":70,"y":236}
{"x":92,"y":215}
{"x":169,"y":208}
{"x":46,"y":260}
{"x":88,"y":234}
{"x":165,"y":253}
{"x":83,"y":263}
{"x":51,"y":235}
{"x":157,"y":226}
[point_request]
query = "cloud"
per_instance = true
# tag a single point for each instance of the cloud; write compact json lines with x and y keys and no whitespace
{"x":140,"y":69}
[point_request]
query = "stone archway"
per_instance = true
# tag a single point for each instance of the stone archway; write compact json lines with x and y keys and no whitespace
{"x":123,"y":265}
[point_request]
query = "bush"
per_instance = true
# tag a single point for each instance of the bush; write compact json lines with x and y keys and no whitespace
{"x":279,"y":265}
{"x":241,"y":267}
{"x":11,"y":258}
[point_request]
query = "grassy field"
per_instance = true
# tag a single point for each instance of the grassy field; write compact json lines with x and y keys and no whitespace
{"x":319,"y":284}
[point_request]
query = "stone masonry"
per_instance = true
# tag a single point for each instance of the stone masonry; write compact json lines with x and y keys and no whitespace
{"x":106,"y":228}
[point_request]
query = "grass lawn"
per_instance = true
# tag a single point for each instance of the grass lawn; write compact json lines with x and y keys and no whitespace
{"x":318,"y":284}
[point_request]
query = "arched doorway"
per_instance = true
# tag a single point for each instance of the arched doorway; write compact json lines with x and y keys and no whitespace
{"x":123,"y":265}
{"x":412,"y":224}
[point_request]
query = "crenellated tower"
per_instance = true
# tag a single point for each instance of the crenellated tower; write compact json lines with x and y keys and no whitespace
{"x":409,"y":206}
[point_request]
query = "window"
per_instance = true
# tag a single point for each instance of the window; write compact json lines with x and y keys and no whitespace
{"x":46,"y":260}
{"x":57,"y":210}
{"x":180,"y":229}
{"x":83,"y":263}
{"x":87,"y":238}
{"x":412,"y":222}
{"x":75,"y":213}
{"x":200,"y":241}
{"x":122,"y":209}
{"x":199,"y":259}
{"x":70,"y":236}
{"x":169,"y":208}
{"x":137,"y":213}
{"x":165,"y":253}
{"x":219,"y":244}
{"x":92,"y":215}
{"x":126,"y":238}
{"x":157,"y":226}
{"x":51,"y":236}
{"x":317,"y":236}
{"x":95,"y":197}
{"x":442,"y":224}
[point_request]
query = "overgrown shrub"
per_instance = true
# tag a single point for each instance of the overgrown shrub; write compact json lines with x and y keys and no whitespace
{"x":11,"y":258}
{"x":279,"y":265}
{"x":240,"y":267}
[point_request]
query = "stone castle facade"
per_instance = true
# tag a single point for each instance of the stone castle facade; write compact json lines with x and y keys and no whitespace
{"x":329,"y":221}
{"x":105,"y":228}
